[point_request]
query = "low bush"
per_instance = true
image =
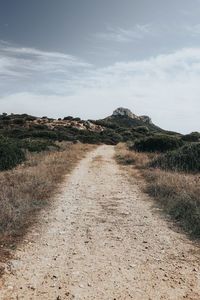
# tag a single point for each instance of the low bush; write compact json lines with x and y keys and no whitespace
{"x":36,"y":145}
{"x":142,"y":129}
{"x":192,"y":137}
{"x":69,"y":118}
{"x":18,"y":121}
{"x":157,"y":143}
{"x":185,"y":159}
{"x":10,"y":154}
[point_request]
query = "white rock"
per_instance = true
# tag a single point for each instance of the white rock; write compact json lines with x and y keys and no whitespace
{"x":132,"y":266}
{"x":15,"y":264}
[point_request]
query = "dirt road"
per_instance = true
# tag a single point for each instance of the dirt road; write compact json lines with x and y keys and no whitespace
{"x":102,"y":240}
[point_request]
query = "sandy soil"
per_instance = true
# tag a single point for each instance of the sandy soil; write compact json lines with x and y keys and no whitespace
{"x":102,"y":239}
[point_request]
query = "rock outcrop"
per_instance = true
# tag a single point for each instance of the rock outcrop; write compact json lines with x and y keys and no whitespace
{"x":125,"y":112}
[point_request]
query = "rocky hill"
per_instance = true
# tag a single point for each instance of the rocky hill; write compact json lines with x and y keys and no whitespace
{"x":123,"y":117}
{"x":125,"y":112}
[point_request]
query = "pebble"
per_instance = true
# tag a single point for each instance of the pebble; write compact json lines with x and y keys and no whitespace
{"x":132,"y":266}
{"x":194,"y":270}
{"x":89,"y":284}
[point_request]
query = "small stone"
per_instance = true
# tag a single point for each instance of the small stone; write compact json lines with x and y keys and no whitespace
{"x":194,"y":270}
{"x":132,"y":266}
{"x":15,"y":264}
{"x":58,"y":298}
{"x":81,"y":286}
{"x":89,"y":284}
{"x":10,"y":287}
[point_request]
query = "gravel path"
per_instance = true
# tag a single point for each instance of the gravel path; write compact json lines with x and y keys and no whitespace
{"x":102,"y":240}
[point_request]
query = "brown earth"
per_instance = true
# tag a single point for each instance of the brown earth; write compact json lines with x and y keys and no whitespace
{"x":102,"y":239}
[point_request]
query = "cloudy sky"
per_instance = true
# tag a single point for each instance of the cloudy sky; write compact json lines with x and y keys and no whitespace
{"x":87,"y":57}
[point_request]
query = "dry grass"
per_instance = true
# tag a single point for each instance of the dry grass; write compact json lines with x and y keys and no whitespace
{"x":30,"y":187}
{"x":177,"y":193}
{"x":127,"y":157}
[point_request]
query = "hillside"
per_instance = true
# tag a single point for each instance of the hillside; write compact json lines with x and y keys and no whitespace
{"x":123,"y":117}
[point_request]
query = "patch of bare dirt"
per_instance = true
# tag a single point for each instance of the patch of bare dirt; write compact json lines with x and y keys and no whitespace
{"x":102,"y":240}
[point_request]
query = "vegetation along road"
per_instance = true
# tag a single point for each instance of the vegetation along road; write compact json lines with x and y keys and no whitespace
{"x":102,"y":239}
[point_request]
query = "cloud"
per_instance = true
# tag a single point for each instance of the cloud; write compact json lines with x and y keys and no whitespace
{"x":22,"y":62}
{"x":122,"y":35}
{"x":193,"y":30}
{"x":166,"y":87}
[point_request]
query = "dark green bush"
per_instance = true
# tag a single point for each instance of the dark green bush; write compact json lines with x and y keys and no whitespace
{"x":5,"y":122}
{"x":44,"y":134}
{"x":192,"y":137}
{"x":36,"y":145}
{"x":69,"y":118}
{"x":185,"y":159}
{"x":30,"y":118}
{"x":19,"y":121}
{"x":142,"y":129}
{"x":157,"y":143}
{"x":10,"y":154}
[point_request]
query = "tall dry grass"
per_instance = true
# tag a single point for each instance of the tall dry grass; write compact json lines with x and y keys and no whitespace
{"x":177,"y":193}
{"x":127,"y":157}
{"x":30,"y":186}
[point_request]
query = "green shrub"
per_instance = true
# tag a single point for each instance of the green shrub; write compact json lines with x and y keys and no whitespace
{"x":19,"y":121}
{"x":36,"y":145}
{"x":46,"y":134}
{"x":30,"y":118}
{"x":69,"y":118}
{"x":142,"y":129}
{"x":10,"y":154}
{"x":185,"y":159}
{"x":157,"y":143}
{"x":5,"y":122}
{"x":192,"y":137}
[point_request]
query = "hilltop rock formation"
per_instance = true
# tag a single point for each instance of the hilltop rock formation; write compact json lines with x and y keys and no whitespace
{"x":125,"y":112}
